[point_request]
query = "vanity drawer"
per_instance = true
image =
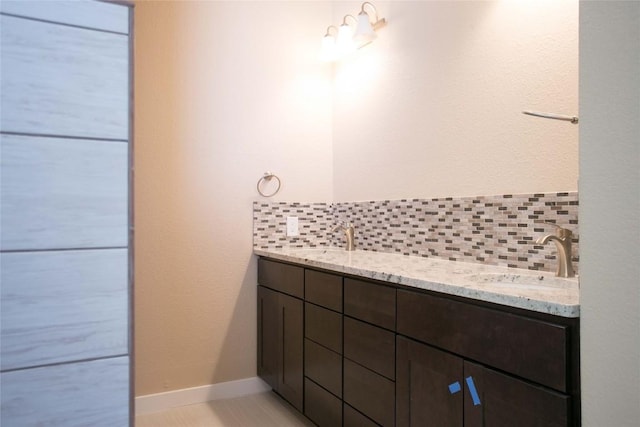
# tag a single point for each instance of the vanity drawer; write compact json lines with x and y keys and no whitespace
{"x":323,"y":289}
{"x":323,"y":366}
{"x":370,"y":393}
{"x":370,"y":302}
{"x":370,"y":346}
{"x":353,"y":418}
{"x":285,"y":278}
{"x":323,"y":326}
{"x":320,"y":406}
{"x":530,"y":348}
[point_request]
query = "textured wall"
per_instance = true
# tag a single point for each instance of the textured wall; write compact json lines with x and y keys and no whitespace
{"x":224,"y":92}
{"x":433,"y":107}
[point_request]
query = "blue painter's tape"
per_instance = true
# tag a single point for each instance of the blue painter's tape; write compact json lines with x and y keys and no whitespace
{"x":454,"y":387}
{"x":473,"y":391}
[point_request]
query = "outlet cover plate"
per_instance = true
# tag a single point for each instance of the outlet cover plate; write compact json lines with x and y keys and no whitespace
{"x":292,"y":226}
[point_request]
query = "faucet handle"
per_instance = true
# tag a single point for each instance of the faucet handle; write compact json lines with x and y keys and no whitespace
{"x":551,"y":223}
{"x":343,"y":223}
{"x":561,"y":232}
{"x":340,"y":225}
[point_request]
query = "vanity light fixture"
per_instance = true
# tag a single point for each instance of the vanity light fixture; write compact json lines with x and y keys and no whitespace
{"x":335,"y":46}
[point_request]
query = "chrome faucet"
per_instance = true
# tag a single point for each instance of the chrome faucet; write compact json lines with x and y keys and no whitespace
{"x":562,"y":239}
{"x":349,"y":231}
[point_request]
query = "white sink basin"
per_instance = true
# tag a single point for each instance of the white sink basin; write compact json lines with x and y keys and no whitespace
{"x":522,"y":281}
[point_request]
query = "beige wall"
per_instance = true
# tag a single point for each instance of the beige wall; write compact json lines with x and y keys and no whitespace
{"x":609,"y":208}
{"x":432,"y":108}
{"x":224,"y":91}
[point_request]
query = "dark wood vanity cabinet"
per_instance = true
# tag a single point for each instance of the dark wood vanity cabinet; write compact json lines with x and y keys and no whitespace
{"x":280,"y":330}
{"x":350,"y":352}
{"x":433,"y":390}
{"x":480,"y":366}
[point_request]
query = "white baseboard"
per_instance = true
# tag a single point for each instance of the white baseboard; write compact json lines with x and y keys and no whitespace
{"x":188,"y":396}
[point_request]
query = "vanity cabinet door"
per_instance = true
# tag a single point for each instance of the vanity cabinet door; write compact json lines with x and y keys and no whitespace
{"x":508,"y":401}
{"x":268,"y":336}
{"x":290,"y":378}
{"x":280,"y":344}
{"x":423,"y":376}
{"x":436,"y":388}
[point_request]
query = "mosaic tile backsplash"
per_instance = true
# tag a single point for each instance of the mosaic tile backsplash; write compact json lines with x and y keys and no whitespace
{"x":497,"y":230}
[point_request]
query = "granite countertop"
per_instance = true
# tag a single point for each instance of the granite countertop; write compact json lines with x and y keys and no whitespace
{"x":526,"y":289}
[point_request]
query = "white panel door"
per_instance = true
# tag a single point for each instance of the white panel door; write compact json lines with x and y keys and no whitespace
{"x":64,"y":81}
{"x":63,"y":193}
{"x":94,"y":393}
{"x":61,"y":306}
{"x":84,"y":13}
{"x":64,"y":213}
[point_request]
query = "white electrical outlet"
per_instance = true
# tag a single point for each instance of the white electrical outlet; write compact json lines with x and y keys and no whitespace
{"x":292,"y":226}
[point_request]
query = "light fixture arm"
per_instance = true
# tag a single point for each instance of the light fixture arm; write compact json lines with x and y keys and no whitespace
{"x":344,"y":20}
{"x":375,"y":11}
{"x":378,"y":23}
{"x":328,"y":33}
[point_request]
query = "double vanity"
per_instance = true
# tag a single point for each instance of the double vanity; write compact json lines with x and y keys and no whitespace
{"x":362,"y":338}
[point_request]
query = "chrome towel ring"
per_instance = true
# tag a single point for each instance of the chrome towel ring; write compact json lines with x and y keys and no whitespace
{"x":268,"y":176}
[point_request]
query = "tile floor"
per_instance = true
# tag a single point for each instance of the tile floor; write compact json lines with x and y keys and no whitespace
{"x":256,"y":410}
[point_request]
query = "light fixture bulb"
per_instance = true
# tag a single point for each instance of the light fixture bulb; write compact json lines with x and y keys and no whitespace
{"x":364,"y":31}
{"x":329,"y":51}
{"x":344,"y":43}
{"x":329,"y":48}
